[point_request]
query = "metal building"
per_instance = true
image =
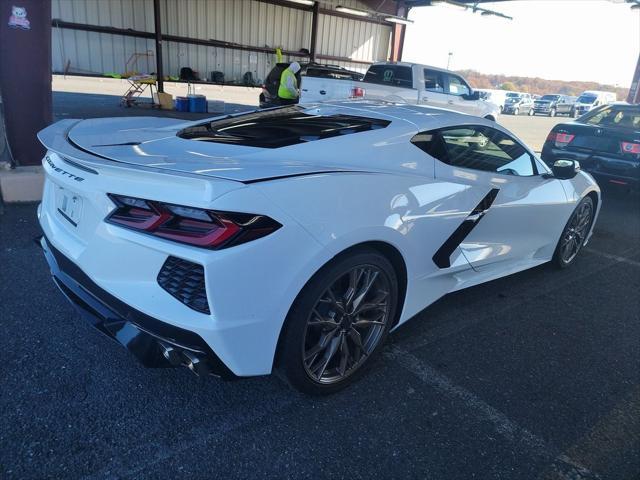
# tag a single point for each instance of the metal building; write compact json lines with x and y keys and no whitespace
{"x":229,"y":36}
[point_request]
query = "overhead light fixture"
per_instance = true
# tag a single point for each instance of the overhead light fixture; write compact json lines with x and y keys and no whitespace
{"x":402,"y":21}
{"x":308,"y":3}
{"x":352,"y":11}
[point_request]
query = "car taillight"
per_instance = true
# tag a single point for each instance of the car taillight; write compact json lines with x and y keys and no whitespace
{"x":194,"y":226}
{"x":357,"y":92}
{"x":560,"y":139}
{"x":630,"y":147}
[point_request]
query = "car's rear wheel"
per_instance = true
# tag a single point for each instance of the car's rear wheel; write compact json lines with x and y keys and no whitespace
{"x":574,"y":234}
{"x":339,"y":322}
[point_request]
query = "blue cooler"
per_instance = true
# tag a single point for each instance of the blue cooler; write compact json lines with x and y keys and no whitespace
{"x":182,"y":104}
{"x":197,"y":103}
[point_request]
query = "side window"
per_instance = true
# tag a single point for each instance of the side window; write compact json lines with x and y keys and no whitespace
{"x":433,"y":81}
{"x":457,"y":86}
{"x":395,"y":75}
{"x":477,"y":148}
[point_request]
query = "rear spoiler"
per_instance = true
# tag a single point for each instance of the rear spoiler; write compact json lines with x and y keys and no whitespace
{"x":55,"y":138}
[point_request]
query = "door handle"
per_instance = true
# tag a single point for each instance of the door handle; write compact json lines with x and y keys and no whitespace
{"x":450,"y":102}
{"x":323,"y":92}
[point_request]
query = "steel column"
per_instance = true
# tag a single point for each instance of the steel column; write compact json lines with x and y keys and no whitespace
{"x":314,"y":30}
{"x":397,"y":34}
{"x":158,"y":38}
{"x":25,"y":75}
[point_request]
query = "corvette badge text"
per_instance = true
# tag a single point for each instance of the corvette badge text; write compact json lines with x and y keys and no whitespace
{"x":63,"y":172}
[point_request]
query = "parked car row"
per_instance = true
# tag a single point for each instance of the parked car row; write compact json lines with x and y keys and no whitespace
{"x":397,"y":82}
{"x":518,"y":103}
{"x":402,"y":82}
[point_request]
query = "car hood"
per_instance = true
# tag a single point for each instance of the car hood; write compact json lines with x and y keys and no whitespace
{"x":153,"y":142}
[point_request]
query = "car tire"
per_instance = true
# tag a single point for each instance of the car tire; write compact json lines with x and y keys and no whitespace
{"x":552,"y":112}
{"x":516,"y":111}
{"x":531,"y":113}
{"x":574,"y":234}
{"x":318,"y":351}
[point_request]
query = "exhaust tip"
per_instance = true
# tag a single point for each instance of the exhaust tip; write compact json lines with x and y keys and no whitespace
{"x":197,"y":364}
{"x":172,"y":354}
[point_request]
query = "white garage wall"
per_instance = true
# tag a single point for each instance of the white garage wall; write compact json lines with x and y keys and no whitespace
{"x":247,"y":22}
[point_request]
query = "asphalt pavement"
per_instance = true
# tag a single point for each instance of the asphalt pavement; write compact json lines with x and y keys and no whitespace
{"x":534,"y":376}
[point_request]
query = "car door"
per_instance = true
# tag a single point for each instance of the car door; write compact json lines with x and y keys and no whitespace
{"x":527,"y":104}
{"x":434,"y":90}
{"x":523,"y":212}
{"x":457,"y":89}
{"x":562,"y":107}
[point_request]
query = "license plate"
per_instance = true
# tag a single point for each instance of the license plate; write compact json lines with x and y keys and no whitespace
{"x":69,"y":206}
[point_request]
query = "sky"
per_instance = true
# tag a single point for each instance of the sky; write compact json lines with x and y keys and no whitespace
{"x":588,"y":40}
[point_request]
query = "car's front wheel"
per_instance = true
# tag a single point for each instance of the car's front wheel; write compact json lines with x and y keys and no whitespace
{"x":339,"y":322}
{"x":574,"y":234}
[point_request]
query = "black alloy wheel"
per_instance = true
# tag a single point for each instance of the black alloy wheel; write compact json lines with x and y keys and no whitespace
{"x":574,"y":234}
{"x":339,"y":322}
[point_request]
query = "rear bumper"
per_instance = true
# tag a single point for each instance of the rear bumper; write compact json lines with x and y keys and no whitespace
{"x":154,"y":343}
{"x":602,"y":167}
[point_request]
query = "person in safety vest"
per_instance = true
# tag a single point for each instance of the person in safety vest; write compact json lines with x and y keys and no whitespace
{"x":288,"y":92}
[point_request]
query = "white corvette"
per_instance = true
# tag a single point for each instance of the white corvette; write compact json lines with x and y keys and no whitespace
{"x":294,"y":238}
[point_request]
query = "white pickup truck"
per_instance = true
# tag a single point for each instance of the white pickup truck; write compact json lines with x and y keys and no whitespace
{"x":425,"y":85}
{"x":389,"y":81}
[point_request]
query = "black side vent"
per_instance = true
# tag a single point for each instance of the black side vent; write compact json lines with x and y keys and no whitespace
{"x":442,"y":257}
{"x":185,"y":281}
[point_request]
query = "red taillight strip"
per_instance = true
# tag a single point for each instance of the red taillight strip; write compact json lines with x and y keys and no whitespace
{"x":159,"y":219}
{"x":561,"y":139}
{"x":630,"y":147}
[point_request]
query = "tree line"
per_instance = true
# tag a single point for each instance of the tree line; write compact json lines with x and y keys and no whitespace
{"x":538,"y":86}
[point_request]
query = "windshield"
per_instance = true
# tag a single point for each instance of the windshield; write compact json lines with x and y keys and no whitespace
{"x":551,"y":98}
{"x":513,"y":95}
{"x":587,"y":98}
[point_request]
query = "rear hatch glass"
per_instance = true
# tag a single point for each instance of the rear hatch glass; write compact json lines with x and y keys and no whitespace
{"x":279,"y":128}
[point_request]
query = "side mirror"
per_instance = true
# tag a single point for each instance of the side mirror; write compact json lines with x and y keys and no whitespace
{"x":565,"y":169}
{"x":471,"y":96}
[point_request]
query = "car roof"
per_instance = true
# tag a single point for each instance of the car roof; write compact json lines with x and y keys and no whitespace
{"x":410,"y":116}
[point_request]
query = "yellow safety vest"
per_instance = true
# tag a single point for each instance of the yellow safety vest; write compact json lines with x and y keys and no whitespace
{"x":283,"y":91}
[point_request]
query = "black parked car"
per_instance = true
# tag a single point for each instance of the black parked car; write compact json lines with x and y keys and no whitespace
{"x":553,"y":105}
{"x":269,"y":94}
{"x":606,"y":142}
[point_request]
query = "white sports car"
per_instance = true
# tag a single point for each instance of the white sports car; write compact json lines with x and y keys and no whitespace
{"x":294,"y":238}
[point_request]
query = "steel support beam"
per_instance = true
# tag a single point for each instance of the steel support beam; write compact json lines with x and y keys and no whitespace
{"x":397,"y":34}
{"x":314,"y":30}
{"x":25,"y":77}
{"x":158,"y":38}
